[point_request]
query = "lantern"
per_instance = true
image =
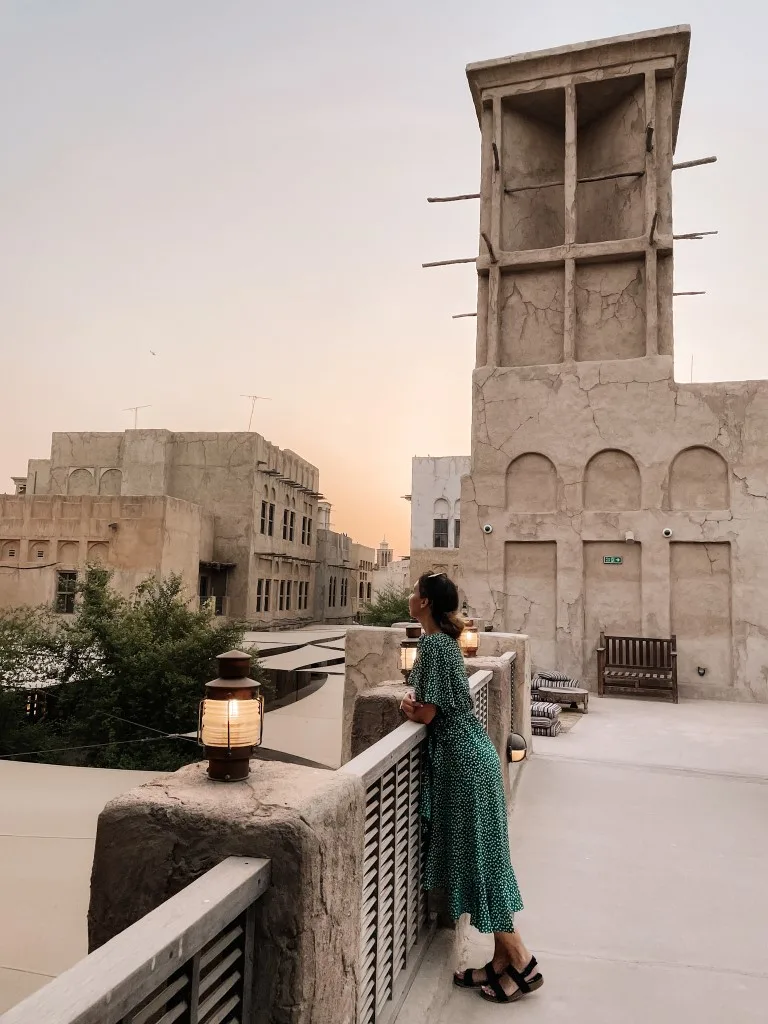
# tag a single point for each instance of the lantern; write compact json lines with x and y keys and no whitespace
{"x":469,"y":639}
{"x":517,"y":748}
{"x":408,"y":650}
{"x":231,"y":718}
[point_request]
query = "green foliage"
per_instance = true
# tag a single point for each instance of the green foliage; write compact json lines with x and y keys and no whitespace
{"x":389,"y":606}
{"x":143,"y":659}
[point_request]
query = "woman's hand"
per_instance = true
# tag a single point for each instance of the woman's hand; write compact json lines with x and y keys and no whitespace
{"x":410,"y":708}
{"x":415,"y":712}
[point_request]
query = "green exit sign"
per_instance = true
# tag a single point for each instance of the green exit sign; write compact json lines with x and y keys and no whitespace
{"x":612,"y":559}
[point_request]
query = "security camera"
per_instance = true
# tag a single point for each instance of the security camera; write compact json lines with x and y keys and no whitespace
{"x":666,"y":532}
{"x":487,"y":528}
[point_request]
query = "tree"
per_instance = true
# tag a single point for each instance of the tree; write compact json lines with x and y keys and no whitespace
{"x":133,"y":669}
{"x":389,"y":606}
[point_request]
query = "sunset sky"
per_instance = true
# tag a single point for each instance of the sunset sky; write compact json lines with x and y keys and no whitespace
{"x":240,"y":187}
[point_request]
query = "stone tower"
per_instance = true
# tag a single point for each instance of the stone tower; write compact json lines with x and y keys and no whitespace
{"x":603,"y":495}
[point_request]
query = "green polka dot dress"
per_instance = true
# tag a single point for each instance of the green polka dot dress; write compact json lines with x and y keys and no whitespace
{"x":462,"y":798}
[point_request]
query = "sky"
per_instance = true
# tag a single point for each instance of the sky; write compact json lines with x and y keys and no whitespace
{"x":240,"y":187}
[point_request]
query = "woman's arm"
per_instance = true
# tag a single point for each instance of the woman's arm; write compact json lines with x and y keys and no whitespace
{"x":422,"y":713}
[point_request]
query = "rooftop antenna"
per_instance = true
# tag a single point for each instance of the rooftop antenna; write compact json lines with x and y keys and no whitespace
{"x":254,"y":399}
{"x":135,"y":410}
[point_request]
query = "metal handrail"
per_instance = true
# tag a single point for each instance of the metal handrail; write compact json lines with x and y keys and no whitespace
{"x":122,"y":979}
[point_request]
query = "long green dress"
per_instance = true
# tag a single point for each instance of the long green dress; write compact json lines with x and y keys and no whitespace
{"x":462,"y":797}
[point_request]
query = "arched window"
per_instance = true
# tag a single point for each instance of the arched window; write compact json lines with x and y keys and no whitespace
{"x":440,"y":523}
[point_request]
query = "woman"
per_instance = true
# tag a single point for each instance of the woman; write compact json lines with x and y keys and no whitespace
{"x":463,"y":800}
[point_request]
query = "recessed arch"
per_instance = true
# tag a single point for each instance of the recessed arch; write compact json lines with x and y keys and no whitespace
{"x":698,"y":479}
{"x":531,"y":484}
{"x":111,"y":482}
{"x":612,"y":482}
{"x":98,"y":552}
{"x":81,"y":481}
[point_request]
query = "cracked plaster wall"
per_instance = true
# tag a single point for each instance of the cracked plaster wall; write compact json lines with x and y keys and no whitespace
{"x":570,"y":413}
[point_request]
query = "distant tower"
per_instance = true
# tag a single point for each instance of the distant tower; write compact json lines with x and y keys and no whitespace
{"x":324,"y":515}
{"x":384,"y":554}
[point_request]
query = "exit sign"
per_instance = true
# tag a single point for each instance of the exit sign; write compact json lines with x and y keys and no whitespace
{"x":612,"y":559}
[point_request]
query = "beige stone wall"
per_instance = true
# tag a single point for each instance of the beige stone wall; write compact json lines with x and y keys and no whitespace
{"x":227,"y":476}
{"x":583,"y":445}
{"x":133,"y":536}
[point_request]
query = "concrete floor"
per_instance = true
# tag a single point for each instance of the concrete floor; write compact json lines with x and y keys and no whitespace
{"x":639,"y":840}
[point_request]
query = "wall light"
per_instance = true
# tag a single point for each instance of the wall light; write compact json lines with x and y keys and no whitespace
{"x":231,"y":718}
{"x":517,"y":748}
{"x":409,"y":649}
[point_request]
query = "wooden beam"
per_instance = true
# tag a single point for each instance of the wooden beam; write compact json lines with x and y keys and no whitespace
{"x":694,"y":234}
{"x":694,"y":163}
{"x":459,"y":316}
{"x":688,"y":293}
{"x":450,"y":263}
{"x":510,"y":189}
{"x":452,"y":199}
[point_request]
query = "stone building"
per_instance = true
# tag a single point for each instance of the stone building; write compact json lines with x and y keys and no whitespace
{"x":234,"y":514}
{"x":384,"y":555}
{"x":344,"y":571}
{"x":603,"y":494}
{"x":436,"y":514}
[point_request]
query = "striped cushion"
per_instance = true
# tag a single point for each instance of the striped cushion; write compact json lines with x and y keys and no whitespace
{"x":546,"y":727}
{"x":552,"y":676}
{"x":544,"y":709}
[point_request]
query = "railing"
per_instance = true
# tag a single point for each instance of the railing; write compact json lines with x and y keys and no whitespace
{"x":395,"y":925}
{"x":190,"y":960}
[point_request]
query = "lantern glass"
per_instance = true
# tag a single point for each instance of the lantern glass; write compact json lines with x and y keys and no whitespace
{"x":408,"y":652}
{"x":469,"y":639}
{"x":232,"y":723}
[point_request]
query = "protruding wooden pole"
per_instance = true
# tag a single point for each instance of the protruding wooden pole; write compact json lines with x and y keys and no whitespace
{"x":450,"y":263}
{"x":694,"y":163}
{"x":452,"y":199}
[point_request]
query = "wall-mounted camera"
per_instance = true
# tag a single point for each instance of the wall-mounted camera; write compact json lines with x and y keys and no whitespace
{"x":487,"y":528}
{"x":666,"y":532}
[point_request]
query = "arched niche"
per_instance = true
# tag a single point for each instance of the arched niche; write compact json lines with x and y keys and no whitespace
{"x":111,"y":482}
{"x":98,"y":552}
{"x":9,"y":552}
{"x":69,"y":552}
{"x":81,"y":481}
{"x":531,"y":484}
{"x":698,"y":479}
{"x":612,"y":482}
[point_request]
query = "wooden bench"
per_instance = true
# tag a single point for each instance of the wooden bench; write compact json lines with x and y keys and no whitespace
{"x":637,"y":666}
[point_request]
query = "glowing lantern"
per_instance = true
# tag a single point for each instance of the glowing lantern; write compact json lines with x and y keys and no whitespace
{"x":231,"y":718}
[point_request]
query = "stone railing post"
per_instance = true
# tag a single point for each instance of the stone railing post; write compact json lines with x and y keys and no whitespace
{"x":155,"y":840}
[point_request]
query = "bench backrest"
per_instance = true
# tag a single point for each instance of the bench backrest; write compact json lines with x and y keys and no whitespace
{"x":639,"y":652}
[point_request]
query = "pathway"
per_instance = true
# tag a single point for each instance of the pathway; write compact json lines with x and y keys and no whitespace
{"x":639,"y":838}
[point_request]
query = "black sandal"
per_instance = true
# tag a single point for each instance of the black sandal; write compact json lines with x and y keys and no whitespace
{"x":524,"y":986}
{"x":465,"y":980}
